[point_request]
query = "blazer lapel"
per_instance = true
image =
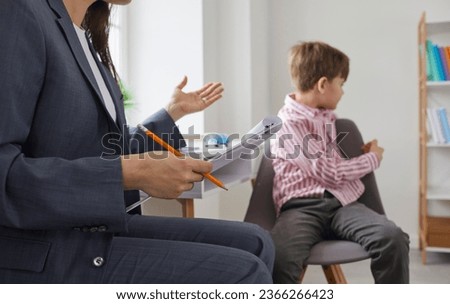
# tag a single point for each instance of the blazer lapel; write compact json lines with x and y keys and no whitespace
{"x":110,"y":84}
{"x":67,"y":27}
{"x":116,"y":97}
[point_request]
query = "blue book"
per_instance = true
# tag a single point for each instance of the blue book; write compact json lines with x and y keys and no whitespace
{"x":433,"y":64}
{"x":443,"y":121}
{"x":440,"y":70}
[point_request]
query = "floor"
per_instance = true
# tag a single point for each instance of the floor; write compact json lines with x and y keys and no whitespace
{"x":436,"y":271}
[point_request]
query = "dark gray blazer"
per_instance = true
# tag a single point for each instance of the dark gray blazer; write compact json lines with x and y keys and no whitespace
{"x":61,"y":195}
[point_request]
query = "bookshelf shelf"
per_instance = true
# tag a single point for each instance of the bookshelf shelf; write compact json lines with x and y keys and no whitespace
{"x":434,"y":158}
{"x":438,"y":249}
{"x":437,"y":27}
{"x":433,"y":145}
{"x":438,"y":83}
{"x":440,"y":194}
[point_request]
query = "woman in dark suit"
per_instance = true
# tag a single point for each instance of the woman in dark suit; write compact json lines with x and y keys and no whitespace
{"x":69,"y":166}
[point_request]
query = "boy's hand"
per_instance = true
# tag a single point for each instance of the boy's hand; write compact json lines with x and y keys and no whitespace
{"x":372,"y":146}
{"x":366,"y":147}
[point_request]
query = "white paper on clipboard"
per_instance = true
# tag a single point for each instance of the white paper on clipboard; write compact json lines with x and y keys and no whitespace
{"x":248,"y":143}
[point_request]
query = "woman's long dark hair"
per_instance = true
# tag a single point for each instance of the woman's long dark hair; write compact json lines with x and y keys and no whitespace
{"x":97,"y":23}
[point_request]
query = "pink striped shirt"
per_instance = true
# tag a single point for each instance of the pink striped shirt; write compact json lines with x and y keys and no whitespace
{"x":306,"y":164}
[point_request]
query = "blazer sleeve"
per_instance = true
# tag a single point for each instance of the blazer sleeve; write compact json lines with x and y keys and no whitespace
{"x":161,"y":124}
{"x":44,"y":192}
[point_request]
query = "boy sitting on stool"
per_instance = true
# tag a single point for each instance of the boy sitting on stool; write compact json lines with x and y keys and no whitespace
{"x":316,"y":189}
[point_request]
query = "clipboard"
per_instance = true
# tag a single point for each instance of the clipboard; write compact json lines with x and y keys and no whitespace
{"x":251,"y":141}
{"x":243,"y":150}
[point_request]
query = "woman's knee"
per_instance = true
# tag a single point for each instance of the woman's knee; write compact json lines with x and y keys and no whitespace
{"x":261,"y":273}
{"x":257,"y":241}
{"x":250,"y":269}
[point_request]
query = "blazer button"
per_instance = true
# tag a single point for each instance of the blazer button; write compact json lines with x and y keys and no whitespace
{"x":98,"y":261}
{"x":93,"y":229}
{"x":102,"y":228}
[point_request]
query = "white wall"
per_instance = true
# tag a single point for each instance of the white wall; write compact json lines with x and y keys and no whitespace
{"x":236,"y":53}
{"x":165,"y":42}
{"x":244,"y":44}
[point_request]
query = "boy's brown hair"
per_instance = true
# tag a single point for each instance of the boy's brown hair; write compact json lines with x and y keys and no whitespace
{"x":309,"y":61}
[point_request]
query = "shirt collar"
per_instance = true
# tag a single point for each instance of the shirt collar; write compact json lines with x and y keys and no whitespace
{"x":307,"y":110}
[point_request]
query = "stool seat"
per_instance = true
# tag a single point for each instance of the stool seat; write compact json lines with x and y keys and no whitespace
{"x":336,"y":252}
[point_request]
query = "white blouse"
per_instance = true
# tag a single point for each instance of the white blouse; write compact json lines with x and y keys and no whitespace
{"x":98,"y":76}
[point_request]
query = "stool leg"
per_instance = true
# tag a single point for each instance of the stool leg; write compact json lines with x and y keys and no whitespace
{"x":334,"y":274}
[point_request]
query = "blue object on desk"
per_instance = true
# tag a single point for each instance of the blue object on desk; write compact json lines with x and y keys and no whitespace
{"x":215,"y":140}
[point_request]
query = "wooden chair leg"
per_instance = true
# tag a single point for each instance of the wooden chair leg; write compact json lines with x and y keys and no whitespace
{"x":187,"y":206}
{"x":302,"y":275}
{"x":334,"y":274}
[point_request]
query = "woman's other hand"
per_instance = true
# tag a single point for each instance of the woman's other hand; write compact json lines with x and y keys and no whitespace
{"x":183,"y":103}
{"x":162,"y":174}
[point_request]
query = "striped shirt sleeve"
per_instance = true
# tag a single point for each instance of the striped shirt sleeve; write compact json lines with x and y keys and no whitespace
{"x":309,"y":152}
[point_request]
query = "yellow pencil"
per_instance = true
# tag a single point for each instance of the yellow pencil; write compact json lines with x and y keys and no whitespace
{"x":171,"y":149}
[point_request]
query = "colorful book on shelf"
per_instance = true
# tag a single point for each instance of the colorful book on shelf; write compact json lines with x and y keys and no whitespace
{"x":444,"y":62}
{"x":428,"y":66}
{"x":433,"y":63}
{"x":443,"y":120}
{"x":437,"y":126}
{"x":440,"y":131}
{"x":440,"y":70}
{"x":432,"y":126}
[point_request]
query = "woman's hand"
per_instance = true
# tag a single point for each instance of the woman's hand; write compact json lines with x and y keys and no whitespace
{"x":183,"y":103}
{"x":162,"y":174}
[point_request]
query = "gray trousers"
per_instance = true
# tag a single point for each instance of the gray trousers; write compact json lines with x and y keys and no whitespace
{"x":308,"y":221}
{"x":167,"y":250}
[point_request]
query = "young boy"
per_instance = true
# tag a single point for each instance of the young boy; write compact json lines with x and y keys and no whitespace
{"x":316,"y":190}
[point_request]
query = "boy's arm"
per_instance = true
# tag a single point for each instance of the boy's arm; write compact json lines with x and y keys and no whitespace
{"x":372,"y":146}
{"x":310,"y":153}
